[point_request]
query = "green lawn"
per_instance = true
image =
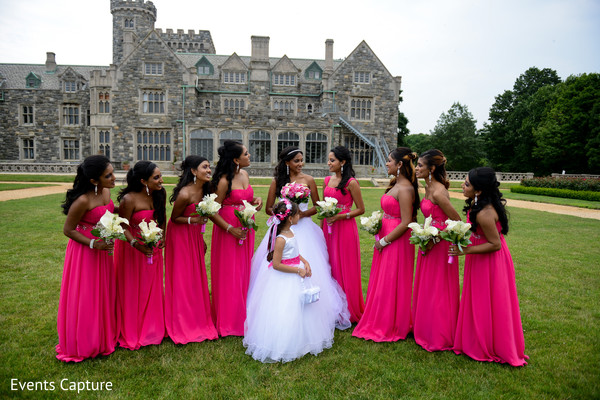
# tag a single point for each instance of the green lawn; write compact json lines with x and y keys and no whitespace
{"x":17,"y":186}
{"x":559,"y":290}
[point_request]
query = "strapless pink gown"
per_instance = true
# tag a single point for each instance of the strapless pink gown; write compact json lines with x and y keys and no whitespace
{"x":187,"y":302}
{"x":436,"y":291}
{"x":86,"y":321}
{"x":343,"y":246}
{"x":230,"y":268}
{"x":387,"y":316}
{"x":489,"y":321}
{"x":140,"y":299}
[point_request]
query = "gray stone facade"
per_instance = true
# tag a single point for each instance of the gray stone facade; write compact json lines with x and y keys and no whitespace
{"x":167,"y":95}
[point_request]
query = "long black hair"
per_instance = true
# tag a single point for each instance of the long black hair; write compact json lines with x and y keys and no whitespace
{"x":281,"y":176}
{"x":407,"y":169}
{"x":186,"y":177}
{"x":484,"y":179}
{"x":226,"y":166}
{"x":144,"y":170}
{"x":91,"y":168}
{"x":435,"y":157}
{"x":343,"y":154}
{"x":280,"y":208}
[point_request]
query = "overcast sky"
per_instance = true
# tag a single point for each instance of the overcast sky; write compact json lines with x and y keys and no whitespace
{"x":446,"y":51}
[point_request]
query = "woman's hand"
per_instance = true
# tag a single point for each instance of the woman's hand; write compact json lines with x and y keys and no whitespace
{"x":238,"y":233}
{"x":100,"y":244}
{"x":142,"y":248}
{"x":454,"y":251}
{"x":258,"y":203}
{"x":335,"y":218}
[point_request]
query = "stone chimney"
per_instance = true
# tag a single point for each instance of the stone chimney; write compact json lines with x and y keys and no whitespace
{"x":328,"y":58}
{"x":259,"y":60}
{"x":50,"y":62}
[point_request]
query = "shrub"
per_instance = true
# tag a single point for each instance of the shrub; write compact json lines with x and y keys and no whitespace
{"x":586,"y":184}
{"x":564,"y":193}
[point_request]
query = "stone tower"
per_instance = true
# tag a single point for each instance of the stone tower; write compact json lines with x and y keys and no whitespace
{"x":132,"y":21}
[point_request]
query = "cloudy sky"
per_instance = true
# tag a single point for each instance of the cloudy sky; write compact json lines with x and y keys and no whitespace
{"x":465,"y":51}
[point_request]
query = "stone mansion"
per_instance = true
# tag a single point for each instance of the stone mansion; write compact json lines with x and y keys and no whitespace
{"x":168,"y":94}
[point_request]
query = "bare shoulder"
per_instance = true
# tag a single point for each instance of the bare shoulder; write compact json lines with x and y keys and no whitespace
{"x":489,"y":213}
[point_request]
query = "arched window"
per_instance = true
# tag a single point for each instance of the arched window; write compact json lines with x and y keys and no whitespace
{"x":260,"y":146}
{"x":201,"y":143}
{"x":230,"y":134}
{"x":362,"y":153}
{"x":316,"y":148}
{"x":285,"y":139}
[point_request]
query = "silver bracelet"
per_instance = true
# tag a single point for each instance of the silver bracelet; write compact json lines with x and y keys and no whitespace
{"x":92,"y":243}
{"x":348,"y":215}
{"x":229,"y":227}
{"x":132,"y":243}
{"x":383,"y":242}
{"x":189,"y":220}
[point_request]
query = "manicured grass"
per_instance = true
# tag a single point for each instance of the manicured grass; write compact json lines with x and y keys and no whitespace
{"x":17,"y":186}
{"x":559,"y":291}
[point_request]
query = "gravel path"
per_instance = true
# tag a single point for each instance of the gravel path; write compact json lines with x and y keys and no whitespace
{"x":553,"y":208}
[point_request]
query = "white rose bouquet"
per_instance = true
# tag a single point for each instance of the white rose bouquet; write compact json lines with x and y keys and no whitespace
{"x":458,"y":233}
{"x":327,"y":208}
{"x":109,"y":228}
{"x":372,"y":224}
{"x":151,"y":235}
{"x":207,"y":207}
{"x":246,"y":217}
{"x":421,"y":235}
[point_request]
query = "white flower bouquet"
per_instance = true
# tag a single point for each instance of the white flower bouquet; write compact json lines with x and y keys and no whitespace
{"x":327,"y":208}
{"x":246,"y":217}
{"x":207,"y":207}
{"x":109,"y":228}
{"x":458,"y":233}
{"x":372,"y":224}
{"x":421,"y":235}
{"x":151,"y":235}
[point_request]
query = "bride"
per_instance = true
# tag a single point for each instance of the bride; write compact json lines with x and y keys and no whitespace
{"x":311,"y":242}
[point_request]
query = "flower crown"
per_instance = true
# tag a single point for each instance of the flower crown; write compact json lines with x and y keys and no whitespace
{"x":288,"y":208}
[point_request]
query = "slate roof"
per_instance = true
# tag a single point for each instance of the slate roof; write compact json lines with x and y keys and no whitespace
{"x":15,"y":75}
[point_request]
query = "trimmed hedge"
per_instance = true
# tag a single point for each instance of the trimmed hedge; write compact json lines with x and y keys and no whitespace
{"x":564,"y":193}
{"x":587,"y":184}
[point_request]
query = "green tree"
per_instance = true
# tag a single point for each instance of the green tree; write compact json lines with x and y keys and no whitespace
{"x":403,"y":130}
{"x":568,"y":134}
{"x":455,"y":134}
{"x":509,"y":136}
{"x":419,"y":142}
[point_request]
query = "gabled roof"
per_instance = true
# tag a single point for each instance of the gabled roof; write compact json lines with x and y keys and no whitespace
{"x":362,"y":45}
{"x":285,"y":65}
{"x":162,"y":43}
{"x":234,"y":63}
{"x":16,"y":74}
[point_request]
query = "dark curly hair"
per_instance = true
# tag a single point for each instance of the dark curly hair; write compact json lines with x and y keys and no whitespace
{"x":407,"y":169}
{"x":343,"y":154}
{"x":186,"y":177}
{"x":435,"y":157}
{"x":91,"y":168}
{"x":143,"y":170}
{"x":484,"y":179}
{"x":280,"y":175}
{"x":226,"y":166}
{"x":280,"y":208}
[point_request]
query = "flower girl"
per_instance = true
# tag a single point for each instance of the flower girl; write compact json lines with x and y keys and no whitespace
{"x":285,"y":319}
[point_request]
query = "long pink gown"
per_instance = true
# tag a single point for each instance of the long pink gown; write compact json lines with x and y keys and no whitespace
{"x":187,"y":301}
{"x":489,"y":321}
{"x":436,"y":291}
{"x":86,"y":322}
{"x":140,"y":298}
{"x":343,"y":246}
{"x":230,"y":268}
{"x":387,"y":316}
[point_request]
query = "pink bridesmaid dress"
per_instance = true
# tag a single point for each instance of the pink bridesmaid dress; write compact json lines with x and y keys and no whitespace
{"x":387,"y":316}
{"x":140,"y":299}
{"x":230,"y":268}
{"x":343,"y":246}
{"x":187,"y":303}
{"x":436,"y":291}
{"x":489,"y":321}
{"x":86,"y":322}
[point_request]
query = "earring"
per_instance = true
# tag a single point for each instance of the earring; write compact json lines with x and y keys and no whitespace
{"x":398,"y":171}
{"x":288,"y":169}
{"x":96,"y":190}
{"x":147,"y":190}
{"x":429,"y":176}
{"x":475,"y":198}
{"x":237,"y":169}
{"x":194,"y":179}
{"x":342,"y":170}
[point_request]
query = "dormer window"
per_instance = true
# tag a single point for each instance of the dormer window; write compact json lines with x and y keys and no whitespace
{"x":284,"y":80}
{"x":314,"y":72}
{"x":70,"y":86}
{"x":204,"y":67}
{"x":32,"y":81}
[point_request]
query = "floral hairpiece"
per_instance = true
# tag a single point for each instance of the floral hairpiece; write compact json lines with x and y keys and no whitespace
{"x":276,"y":219}
{"x":288,"y":208}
